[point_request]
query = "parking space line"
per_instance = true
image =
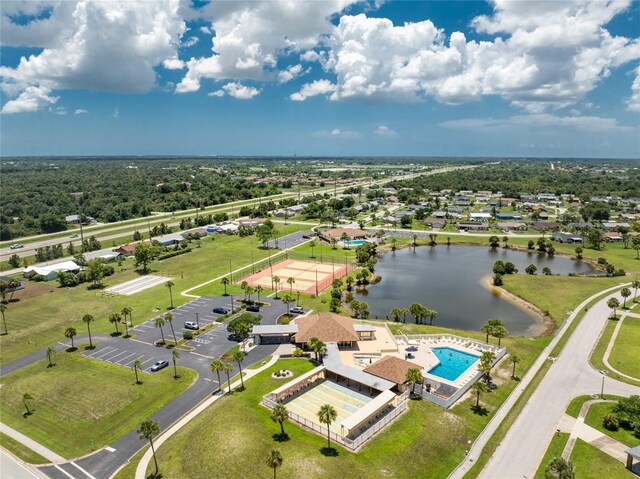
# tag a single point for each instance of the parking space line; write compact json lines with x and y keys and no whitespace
{"x":99,"y":351}
{"x":112,"y":358}
{"x":145,"y":362}
{"x":133,"y":361}
{"x":124,"y":359}
{"x":113,"y":350}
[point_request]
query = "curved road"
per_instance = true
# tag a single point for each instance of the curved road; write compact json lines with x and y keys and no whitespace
{"x":571,"y":375}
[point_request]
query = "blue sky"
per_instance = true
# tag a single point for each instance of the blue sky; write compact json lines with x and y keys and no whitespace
{"x":327,"y":77}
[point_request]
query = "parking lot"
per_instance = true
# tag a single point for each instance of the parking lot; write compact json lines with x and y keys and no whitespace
{"x":199,"y":311}
{"x":214,"y":342}
{"x":126,"y":355}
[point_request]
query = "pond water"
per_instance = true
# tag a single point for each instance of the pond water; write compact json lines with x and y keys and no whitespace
{"x":448,"y":279}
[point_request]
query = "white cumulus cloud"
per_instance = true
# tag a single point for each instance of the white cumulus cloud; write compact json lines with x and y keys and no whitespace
{"x":337,"y":133}
{"x":318,"y":87}
{"x":237,"y":90}
{"x":384,"y":131}
{"x":80,"y":111}
{"x":32,"y":99}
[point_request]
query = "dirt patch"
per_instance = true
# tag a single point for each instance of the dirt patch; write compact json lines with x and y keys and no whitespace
{"x":33,"y":290}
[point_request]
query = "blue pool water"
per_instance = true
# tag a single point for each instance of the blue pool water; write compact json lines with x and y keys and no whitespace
{"x":452,"y":363}
{"x":355,"y":242}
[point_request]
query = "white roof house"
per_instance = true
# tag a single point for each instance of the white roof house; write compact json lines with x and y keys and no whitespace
{"x":50,"y":272}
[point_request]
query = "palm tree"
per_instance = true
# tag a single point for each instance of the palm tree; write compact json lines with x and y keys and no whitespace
{"x":169,"y":319}
{"x":280,"y":414}
{"x":276,"y":282}
{"x":26,"y":397}
{"x":486,"y":363}
{"x":170,"y":285}
{"x":326,"y":415}
{"x":225,"y":281}
{"x":478,"y":387}
{"x":114,"y":318}
{"x":126,"y":312}
{"x":559,"y":468}
{"x":625,"y":293}
{"x":175,"y":355}
{"x":396,"y":312}
{"x":216,"y":366}
{"x":394,"y":244}
{"x":500,"y":332}
{"x":3,"y":308}
{"x":258,"y":289}
{"x":159,"y":323}
{"x":404,"y":312}
{"x":50,"y":352}
{"x":312,"y":245}
{"x":414,"y":377}
{"x":249,"y":292}
{"x":334,"y":243}
{"x":515,"y":360}
{"x":274,"y":460}
{"x":317,"y":347}
{"x":613,"y":303}
{"x":243,"y":286}
{"x":288,"y":299}
{"x":227,"y":368}
{"x":238,"y":357}
{"x":415,"y":240}
{"x":291,"y":281}
{"x":416,"y":310}
{"x":70,"y":333}
{"x":87,"y":318}
{"x":432,"y":313}
{"x":137,"y":365}
{"x":635,"y":285}
{"x":148,"y":430}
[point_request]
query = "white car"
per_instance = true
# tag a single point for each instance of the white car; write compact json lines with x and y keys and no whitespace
{"x":16,"y":246}
{"x":190,"y":325}
{"x":296,"y":310}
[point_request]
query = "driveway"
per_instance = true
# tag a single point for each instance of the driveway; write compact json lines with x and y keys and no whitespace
{"x":290,"y":240}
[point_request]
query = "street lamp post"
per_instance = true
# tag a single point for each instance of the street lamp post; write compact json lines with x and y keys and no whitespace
{"x":197,"y":320}
{"x":604,"y":374}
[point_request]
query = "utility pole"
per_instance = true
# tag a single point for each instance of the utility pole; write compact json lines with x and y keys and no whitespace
{"x":78,"y":195}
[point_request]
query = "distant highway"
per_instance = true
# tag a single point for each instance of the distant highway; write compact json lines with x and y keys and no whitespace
{"x":126,"y":228}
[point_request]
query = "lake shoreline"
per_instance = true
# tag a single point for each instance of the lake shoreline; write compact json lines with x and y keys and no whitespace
{"x":538,"y":314}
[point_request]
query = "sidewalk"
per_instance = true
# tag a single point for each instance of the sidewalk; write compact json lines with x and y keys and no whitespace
{"x":594,"y":437}
{"x":148,"y":455}
{"x":31,"y":444}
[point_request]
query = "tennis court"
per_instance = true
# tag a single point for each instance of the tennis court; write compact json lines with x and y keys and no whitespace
{"x":346,"y":401}
{"x":310,"y":276}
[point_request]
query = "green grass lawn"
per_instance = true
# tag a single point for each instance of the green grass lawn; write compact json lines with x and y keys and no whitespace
{"x":625,"y":355}
{"x":555,"y":448}
{"x":601,"y":347}
{"x":594,"y":419}
{"x":591,"y":463}
{"x":82,"y":404}
{"x":21,"y":451}
{"x":43,"y":310}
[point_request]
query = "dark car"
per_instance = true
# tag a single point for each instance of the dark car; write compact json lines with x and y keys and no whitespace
{"x":235,"y":337}
{"x":253,"y":308}
{"x":306,"y":236}
{"x":220,"y":310}
{"x":158,"y":365}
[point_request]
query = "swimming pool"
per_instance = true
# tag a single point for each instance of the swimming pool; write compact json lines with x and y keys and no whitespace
{"x":355,"y":242}
{"x":452,"y":363}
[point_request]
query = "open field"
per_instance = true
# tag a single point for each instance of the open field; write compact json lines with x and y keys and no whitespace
{"x":80,"y":404}
{"x":590,"y":463}
{"x":625,"y":355}
{"x":601,"y":347}
{"x":43,"y":310}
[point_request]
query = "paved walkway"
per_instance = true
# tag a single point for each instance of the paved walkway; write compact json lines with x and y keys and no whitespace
{"x":580,"y":430}
{"x":501,"y":413}
{"x":148,"y":455}
{"x":13,"y":468}
{"x":612,"y":342}
{"x":571,"y":375}
{"x":31,"y":444}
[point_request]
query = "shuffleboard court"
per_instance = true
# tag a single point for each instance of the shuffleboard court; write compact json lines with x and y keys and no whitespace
{"x":137,"y":285}
{"x":310,"y":276}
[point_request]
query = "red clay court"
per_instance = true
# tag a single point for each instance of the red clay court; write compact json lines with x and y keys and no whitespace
{"x":306,"y":273}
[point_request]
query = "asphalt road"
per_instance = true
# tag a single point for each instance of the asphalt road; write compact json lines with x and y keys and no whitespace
{"x":571,"y":375}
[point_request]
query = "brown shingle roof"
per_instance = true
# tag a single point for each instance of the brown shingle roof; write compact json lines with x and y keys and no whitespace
{"x":392,"y":369}
{"x":327,"y":327}
{"x":351,"y":232}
